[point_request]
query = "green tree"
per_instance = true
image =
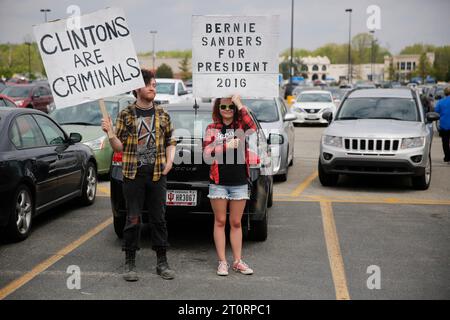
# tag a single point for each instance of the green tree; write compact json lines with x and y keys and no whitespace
{"x":164,"y":71}
{"x":184,"y":67}
{"x":424,"y":68}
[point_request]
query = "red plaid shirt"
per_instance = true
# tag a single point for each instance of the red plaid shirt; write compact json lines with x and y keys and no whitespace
{"x":213,"y":147}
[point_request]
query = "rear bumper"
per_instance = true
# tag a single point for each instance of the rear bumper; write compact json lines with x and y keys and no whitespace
{"x":255,"y":207}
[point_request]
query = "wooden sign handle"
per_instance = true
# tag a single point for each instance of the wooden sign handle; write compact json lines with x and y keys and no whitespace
{"x":105,"y":115}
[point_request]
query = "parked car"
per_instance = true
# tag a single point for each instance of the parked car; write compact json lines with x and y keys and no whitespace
{"x":188,"y":181}
{"x":31,"y":96}
{"x":86,"y":118}
{"x":276,"y":122}
{"x":289,"y":88}
{"x":170,"y":91}
{"x":41,"y":166}
{"x":310,"y":106}
{"x":6,"y":101}
{"x":378,"y":132}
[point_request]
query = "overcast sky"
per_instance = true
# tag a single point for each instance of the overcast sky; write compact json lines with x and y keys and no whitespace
{"x":403,"y":22}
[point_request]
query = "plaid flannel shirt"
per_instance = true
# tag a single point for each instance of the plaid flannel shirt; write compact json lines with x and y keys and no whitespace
{"x":126,"y":132}
{"x":213,"y":147}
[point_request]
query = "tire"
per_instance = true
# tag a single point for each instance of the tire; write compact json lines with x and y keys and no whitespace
{"x":21,"y":215}
{"x":89,"y":186}
{"x":259,"y":229}
{"x":423,"y":182}
{"x":327,"y":179}
{"x":270,"y":200}
{"x":119,"y":225}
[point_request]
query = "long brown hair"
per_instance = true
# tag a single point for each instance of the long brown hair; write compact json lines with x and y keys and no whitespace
{"x":217,"y":117}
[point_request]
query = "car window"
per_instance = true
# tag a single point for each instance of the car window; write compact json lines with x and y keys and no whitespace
{"x":9,"y":103}
{"x":283,"y":107}
{"x":264,"y":110}
{"x":165,"y":88}
{"x":24,"y":133}
{"x":44,"y":91}
{"x":379,"y":108}
{"x":86,"y":113}
{"x":52,"y":133}
{"x":17,"y":91}
{"x":180,"y":88}
{"x":2,"y":102}
{"x":314,"y":97}
{"x":186,"y":123}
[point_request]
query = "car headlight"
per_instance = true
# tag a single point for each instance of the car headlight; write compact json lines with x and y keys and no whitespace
{"x":19,"y":102}
{"x":332,"y":141}
{"x":96,"y":144}
{"x":299,"y":109}
{"x":417,"y":142}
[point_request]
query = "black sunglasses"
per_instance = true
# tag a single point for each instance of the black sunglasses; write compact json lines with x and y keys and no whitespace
{"x":227,"y":107}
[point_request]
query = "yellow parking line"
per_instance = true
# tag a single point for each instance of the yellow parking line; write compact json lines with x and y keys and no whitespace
{"x":334,"y":252}
{"x":104,"y":190}
{"x":302,"y":186}
{"x":16,"y":284}
{"x":363,"y":200}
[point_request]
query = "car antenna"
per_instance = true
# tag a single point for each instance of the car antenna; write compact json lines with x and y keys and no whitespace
{"x":195,"y":106}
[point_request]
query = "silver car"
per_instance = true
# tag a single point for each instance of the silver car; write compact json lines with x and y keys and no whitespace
{"x":276,"y":122}
{"x":378,"y":131}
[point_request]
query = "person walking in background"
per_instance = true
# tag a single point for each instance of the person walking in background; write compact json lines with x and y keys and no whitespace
{"x":228,"y":178}
{"x":443,"y":108}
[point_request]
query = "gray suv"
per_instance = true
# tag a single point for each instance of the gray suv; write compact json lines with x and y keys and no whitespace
{"x":378,"y":131}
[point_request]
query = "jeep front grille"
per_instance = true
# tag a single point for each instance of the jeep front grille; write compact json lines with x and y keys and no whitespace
{"x":371,"y":145}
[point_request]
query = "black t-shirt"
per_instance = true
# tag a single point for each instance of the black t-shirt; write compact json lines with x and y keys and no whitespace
{"x":232,"y":171}
{"x":146,"y":148}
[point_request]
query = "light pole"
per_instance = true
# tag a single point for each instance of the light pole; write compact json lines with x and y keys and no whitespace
{"x":153,"y":32}
{"x":28,"y":43}
{"x":291,"y":68}
{"x":45,"y":13}
{"x":349,"y":45}
{"x":371,"y":55}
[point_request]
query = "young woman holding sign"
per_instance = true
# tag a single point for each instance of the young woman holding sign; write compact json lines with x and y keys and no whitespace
{"x":226,"y":148}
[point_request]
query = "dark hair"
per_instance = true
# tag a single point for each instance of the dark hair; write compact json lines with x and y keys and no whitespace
{"x":147,"y":75}
{"x":217,"y":117}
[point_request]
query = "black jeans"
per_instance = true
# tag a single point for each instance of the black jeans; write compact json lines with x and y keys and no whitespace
{"x":445,"y":134}
{"x":142,"y":191}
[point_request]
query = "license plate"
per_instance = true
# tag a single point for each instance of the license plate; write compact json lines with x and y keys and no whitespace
{"x":181,"y":198}
{"x":312,"y":117}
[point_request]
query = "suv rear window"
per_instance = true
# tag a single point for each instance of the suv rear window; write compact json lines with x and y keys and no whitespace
{"x":379,"y":108}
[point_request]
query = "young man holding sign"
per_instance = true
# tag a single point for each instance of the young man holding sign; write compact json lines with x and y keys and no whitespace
{"x":144,"y":135}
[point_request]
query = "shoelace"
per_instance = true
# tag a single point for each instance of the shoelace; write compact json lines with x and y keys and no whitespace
{"x":223,"y":264}
{"x":241,"y":263}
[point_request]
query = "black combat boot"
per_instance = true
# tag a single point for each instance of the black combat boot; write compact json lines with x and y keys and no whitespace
{"x":162,"y":267}
{"x":130,"y":273}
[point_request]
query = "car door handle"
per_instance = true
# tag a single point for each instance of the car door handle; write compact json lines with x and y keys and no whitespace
{"x":60,"y":156}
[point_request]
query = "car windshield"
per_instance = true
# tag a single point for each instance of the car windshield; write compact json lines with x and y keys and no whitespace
{"x":165,"y":88}
{"x":314,"y":97}
{"x":379,"y":108}
{"x":17,"y":92}
{"x":264,"y":110}
{"x":86,"y":113}
{"x":189,"y":125}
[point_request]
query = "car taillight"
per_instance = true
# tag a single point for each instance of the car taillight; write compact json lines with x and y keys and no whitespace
{"x":117,"y":159}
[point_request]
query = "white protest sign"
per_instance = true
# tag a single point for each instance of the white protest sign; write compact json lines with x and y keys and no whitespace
{"x":93,"y":60}
{"x":235,"y":54}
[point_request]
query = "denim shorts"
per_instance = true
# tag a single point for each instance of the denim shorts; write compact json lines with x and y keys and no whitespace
{"x":217,"y":191}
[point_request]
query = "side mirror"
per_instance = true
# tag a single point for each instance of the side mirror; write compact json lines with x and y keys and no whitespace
{"x":75,"y":137}
{"x":328,"y":115}
{"x":182,"y":93}
{"x":432,"y":116}
{"x":290,"y":117}
{"x":275,"y":138}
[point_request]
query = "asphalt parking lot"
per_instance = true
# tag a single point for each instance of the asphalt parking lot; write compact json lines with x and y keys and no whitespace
{"x":367,"y":238}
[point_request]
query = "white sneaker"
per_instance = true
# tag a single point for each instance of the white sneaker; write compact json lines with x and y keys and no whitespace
{"x":242,"y":267}
{"x":222,"y":269}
